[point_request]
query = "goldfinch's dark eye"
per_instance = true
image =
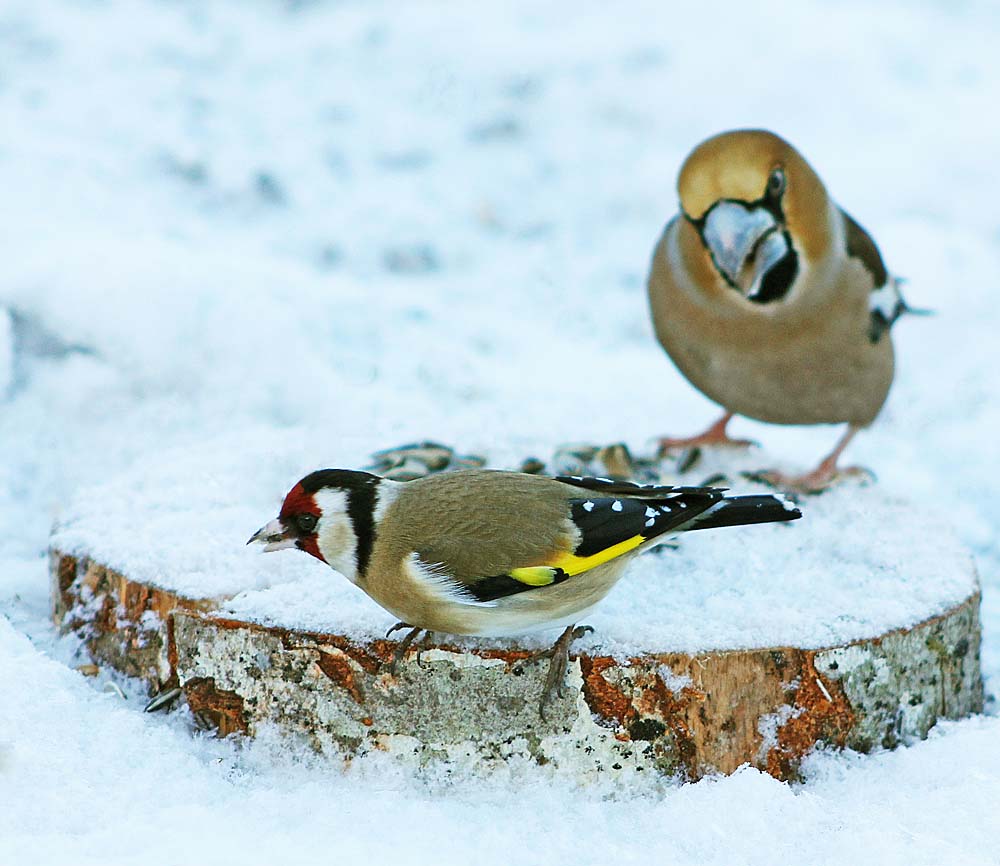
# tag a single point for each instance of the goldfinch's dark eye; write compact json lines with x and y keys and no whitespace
{"x":306,"y":522}
{"x":776,"y":183}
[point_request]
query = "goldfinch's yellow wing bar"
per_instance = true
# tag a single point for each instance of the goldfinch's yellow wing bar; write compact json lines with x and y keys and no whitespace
{"x":607,"y":527}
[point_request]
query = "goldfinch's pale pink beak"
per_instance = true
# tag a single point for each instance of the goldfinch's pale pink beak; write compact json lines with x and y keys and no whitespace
{"x":274,"y":536}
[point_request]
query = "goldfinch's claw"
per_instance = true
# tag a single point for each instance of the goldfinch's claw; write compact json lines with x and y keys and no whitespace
{"x":424,"y":641}
{"x":397,"y":627}
{"x":403,"y":645}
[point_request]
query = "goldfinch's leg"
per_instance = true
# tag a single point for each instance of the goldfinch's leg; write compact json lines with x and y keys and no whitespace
{"x":424,"y":643}
{"x":547,"y":653}
{"x":558,"y":654}
{"x":403,"y":645}
{"x":715,"y":436}
{"x":823,"y":477}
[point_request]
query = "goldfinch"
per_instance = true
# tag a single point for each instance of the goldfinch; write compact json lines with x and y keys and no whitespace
{"x":771,"y":299}
{"x":493,"y":553}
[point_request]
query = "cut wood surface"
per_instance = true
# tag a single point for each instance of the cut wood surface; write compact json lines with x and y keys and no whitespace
{"x":688,"y":714}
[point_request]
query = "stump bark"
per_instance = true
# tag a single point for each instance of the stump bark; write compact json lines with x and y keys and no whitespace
{"x":671,"y":713}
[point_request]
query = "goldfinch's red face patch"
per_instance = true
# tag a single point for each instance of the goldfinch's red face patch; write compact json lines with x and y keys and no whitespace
{"x":300,"y":515}
{"x":330,"y":515}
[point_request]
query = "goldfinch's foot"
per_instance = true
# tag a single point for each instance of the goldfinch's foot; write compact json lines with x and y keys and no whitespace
{"x":558,"y":653}
{"x":819,"y":480}
{"x":404,"y":644}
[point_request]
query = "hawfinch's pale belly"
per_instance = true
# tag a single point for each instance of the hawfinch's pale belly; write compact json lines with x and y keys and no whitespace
{"x":820,"y":369}
{"x":787,"y":382}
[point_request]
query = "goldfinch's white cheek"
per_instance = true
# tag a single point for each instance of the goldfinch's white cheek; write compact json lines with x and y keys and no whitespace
{"x":335,"y":534}
{"x":338,"y":544}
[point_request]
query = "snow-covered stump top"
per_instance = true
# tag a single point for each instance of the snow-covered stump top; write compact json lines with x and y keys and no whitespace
{"x":855,"y":626}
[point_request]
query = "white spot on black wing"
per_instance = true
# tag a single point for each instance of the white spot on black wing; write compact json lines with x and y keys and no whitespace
{"x":610,"y":521}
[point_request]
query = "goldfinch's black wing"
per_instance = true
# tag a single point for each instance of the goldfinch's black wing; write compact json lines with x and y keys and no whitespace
{"x":548,"y":539}
{"x":607,"y":527}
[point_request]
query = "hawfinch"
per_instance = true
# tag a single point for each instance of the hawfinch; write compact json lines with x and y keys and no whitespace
{"x":770,"y":299}
{"x":492,"y":553}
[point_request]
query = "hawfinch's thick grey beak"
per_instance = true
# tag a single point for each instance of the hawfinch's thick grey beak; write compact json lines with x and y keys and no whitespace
{"x":746,"y":242}
{"x":274,"y":536}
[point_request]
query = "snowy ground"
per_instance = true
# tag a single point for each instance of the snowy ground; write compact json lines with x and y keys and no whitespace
{"x":307,"y":230}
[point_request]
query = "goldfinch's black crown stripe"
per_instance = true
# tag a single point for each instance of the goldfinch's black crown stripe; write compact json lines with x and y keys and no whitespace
{"x":361,"y":488}
{"x":339,"y":479}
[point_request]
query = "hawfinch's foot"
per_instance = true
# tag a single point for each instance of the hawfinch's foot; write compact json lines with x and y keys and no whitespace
{"x":821,"y":479}
{"x":714,"y":437}
{"x":558,"y":654}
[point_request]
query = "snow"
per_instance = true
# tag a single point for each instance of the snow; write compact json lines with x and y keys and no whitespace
{"x":303,"y":232}
{"x":6,"y":352}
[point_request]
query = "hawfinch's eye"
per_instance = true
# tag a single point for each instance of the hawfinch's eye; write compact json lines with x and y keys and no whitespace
{"x":776,"y":183}
{"x":306,"y":522}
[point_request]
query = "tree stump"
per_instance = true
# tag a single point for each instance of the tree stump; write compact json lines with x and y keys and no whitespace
{"x":686,"y":712}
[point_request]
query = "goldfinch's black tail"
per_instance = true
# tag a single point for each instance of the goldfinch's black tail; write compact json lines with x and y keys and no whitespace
{"x":743,"y":510}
